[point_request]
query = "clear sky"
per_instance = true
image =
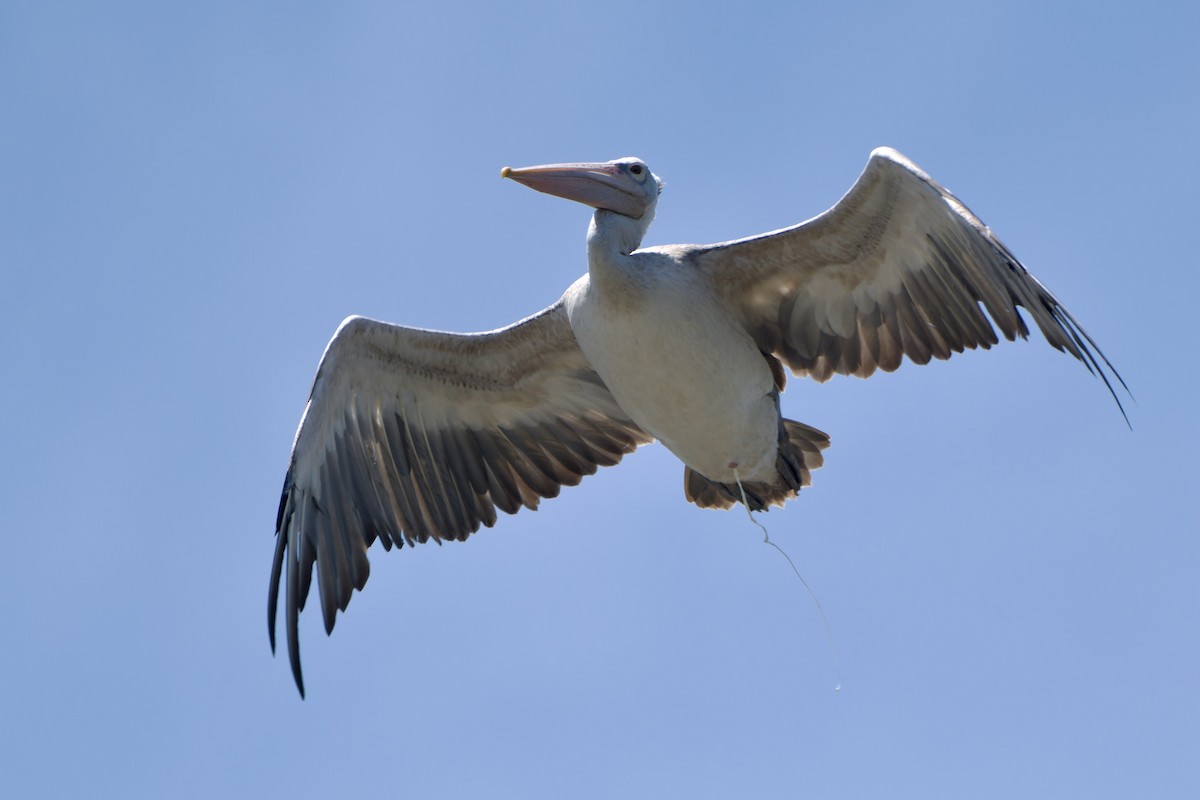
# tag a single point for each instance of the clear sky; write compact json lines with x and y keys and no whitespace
{"x":193,"y":196}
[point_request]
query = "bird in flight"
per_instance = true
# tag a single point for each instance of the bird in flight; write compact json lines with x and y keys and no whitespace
{"x":412,"y":434}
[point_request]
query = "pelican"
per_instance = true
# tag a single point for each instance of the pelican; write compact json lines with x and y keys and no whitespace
{"x":411,"y":434}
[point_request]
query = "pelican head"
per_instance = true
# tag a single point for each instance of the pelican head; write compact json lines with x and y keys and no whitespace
{"x":625,"y":186}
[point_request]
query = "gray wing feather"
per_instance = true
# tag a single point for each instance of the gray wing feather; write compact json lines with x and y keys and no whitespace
{"x":899,"y":267}
{"x":411,"y":435}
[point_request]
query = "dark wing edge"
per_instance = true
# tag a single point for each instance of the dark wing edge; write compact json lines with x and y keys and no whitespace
{"x":411,"y":435}
{"x":898,"y":267}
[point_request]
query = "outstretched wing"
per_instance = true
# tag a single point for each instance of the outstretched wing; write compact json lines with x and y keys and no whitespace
{"x":899,"y":267}
{"x":413,"y":434}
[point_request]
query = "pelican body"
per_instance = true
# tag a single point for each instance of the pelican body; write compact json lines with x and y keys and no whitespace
{"x":674,"y":360}
{"x":413,"y":434}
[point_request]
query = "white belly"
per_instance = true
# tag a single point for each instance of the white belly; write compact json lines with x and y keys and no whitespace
{"x":686,"y":374}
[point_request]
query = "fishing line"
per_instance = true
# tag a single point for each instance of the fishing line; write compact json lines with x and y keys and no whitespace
{"x":837,"y":667}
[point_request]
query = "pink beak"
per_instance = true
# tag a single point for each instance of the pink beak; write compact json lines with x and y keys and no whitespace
{"x":598,"y":185}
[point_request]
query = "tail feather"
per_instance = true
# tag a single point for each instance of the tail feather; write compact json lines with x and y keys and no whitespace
{"x":800,"y":449}
{"x":804,"y":445}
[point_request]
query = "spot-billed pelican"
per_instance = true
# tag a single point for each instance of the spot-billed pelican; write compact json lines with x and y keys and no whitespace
{"x":414,"y":434}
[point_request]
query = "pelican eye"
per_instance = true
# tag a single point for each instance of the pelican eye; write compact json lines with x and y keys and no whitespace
{"x":637,"y":169}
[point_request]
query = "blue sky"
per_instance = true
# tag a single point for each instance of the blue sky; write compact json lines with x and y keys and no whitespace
{"x":195,"y":195}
